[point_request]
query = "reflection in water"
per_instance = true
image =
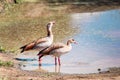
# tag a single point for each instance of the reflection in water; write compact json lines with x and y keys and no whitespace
{"x":57,"y":68}
{"x":99,"y":45}
{"x":40,"y":64}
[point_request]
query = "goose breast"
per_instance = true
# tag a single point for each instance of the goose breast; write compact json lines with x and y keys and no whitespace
{"x":60,"y":51}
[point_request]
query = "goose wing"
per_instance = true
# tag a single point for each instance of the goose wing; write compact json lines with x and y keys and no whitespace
{"x":32,"y":44}
{"x":47,"y":50}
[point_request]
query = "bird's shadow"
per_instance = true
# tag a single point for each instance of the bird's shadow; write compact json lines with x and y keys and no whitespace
{"x":19,"y":59}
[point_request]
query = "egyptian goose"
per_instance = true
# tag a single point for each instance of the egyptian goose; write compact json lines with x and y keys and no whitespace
{"x":41,"y":42}
{"x":57,"y":49}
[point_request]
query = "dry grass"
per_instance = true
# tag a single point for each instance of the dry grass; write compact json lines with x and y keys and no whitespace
{"x":23,"y":23}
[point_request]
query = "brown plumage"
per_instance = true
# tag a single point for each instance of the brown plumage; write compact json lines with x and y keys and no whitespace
{"x":41,"y":42}
{"x":57,"y":49}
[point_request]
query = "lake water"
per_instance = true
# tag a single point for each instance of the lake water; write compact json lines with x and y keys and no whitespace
{"x":98,"y":45}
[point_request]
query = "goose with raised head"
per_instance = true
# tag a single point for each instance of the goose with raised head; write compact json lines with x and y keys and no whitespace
{"x":56,"y":50}
{"x":41,"y":42}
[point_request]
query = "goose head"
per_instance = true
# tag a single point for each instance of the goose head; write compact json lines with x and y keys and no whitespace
{"x":70,"y":41}
{"x":49,"y":28}
{"x":50,"y":24}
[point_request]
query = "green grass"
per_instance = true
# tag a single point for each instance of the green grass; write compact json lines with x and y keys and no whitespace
{"x":23,"y":23}
{"x":2,"y":49}
{"x":6,"y":63}
{"x":3,"y":78}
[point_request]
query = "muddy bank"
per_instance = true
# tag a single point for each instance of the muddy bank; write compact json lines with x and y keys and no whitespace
{"x":91,"y":8}
{"x":14,"y":73}
{"x":88,"y":6}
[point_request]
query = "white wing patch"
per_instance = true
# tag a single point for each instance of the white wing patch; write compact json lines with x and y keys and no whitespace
{"x":47,"y":43}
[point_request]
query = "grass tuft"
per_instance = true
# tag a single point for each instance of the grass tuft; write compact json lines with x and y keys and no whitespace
{"x":6,"y":63}
{"x":2,"y":49}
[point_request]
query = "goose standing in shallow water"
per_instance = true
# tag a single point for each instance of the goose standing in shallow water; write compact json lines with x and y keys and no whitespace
{"x":41,"y":42}
{"x":57,"y":49}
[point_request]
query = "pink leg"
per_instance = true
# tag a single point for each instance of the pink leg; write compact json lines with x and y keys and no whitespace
{"x":40,"y":59}
{"x":40,"y":56}
{"x":55,"y":61}
{"x":59,"y":61}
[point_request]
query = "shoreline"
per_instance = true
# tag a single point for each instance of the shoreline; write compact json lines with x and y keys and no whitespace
{"x":14,"y":73}
{"x":94,"y":8}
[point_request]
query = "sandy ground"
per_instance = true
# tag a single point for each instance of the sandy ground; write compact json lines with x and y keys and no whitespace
{"x":14,"y":73}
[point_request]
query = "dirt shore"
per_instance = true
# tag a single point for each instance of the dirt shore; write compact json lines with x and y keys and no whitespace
{"x":91,"y":8}
{"x":14,"y":73}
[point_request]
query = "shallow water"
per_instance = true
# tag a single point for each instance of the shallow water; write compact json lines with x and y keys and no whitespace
{"x":98,"y":45}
